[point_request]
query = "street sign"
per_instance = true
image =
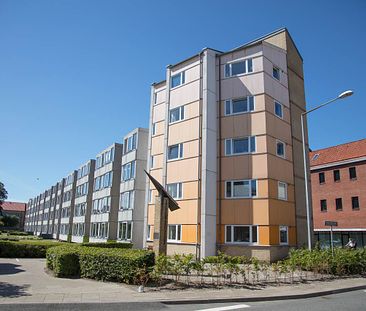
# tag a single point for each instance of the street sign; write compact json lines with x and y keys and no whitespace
{"x":331,"y":223}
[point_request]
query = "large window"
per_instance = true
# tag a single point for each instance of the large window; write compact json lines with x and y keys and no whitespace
{"x":280,"y":149}
{"x":323,"y":205}
{"x":125,"y":230}
{"x":105,"y":158}
{"x":241,"y":234}
{"x":130,"y":143}
{"x":352,"y":173}
{"x":355,"y":203}
{"x":321,"y":178}
{"x":239,"y":105}
{"x":237,"y":68}
{"x":283,"y":235}
{"x":282,"y":190}
{"x":102,"y":205}
{"x":99,"y":230}
{"x":175,"y":152}
{"x":278,"y":110}
{"x":104,"y":181}
{"x":239,"y":145}
{"x":337,"y":175}
{"x":339,"y":205}
{"x":80,"y":209}
{"x":177,"y":79}
{"x":175,"y":190}
{"x":176,"y":114}
{"x":174,"y":233}
{"x":126,"y":200}
{"x":82,"y":190}
{"x":128,"y":171}
{"x":241,"y":188}
{"x":78,"y":229}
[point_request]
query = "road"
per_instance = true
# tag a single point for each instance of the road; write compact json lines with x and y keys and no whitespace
{"x":350,"y":301}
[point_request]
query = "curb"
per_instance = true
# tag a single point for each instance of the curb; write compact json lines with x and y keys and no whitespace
{"x":265,"y":298}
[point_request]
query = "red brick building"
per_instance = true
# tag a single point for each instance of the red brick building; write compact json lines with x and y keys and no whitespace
{"x":338,"y":180}
{"x":16,"y":209}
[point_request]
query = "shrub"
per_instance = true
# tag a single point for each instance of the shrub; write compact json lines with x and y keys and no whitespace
{"x":25,"y":249}
{"x":64,"y":260}
{"x":113,"y":264}
{"x":108,"y":245}
{"x":19,"y":233}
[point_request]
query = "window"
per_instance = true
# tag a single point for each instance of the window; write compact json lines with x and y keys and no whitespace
{"x":128,"y":171}
{"x":175,"y":152}
{"x":149,"y":232}
{"x":276,"y":73}
{"x":323,"y":205}
{"x":150,"y":196}
{"x":339,"y":205}
{"x":315,"y":157}
{"x":241,"y":234}
{"x":176,"y":114}
{"x":241,"y":189}
{"x":153,"y":130}
{"x":130,"y":143}
{"x":125,"y":230}
{"x":282,"y":190}
{"x":127,"y":199}
{"x":175,"y":190}
{"x":336,"y":175}
{"x":280,"y":149}
{"x":355,"y":203}
{"x":174,"y":232}
{"x":321,"y":178}
{"x":101,"y":205}
{"x":240,"y":105}
{"x":237,"y":68}
{"x":352,"y":173}
{"x":240,"y":145}
{"x":283,"y":235}
{"x":177,"y":79}
{"x":151,"y":161}
{"x":278,"y":110}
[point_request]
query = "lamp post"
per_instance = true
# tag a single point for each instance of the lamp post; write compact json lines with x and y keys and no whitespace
{"x":340,"y":96}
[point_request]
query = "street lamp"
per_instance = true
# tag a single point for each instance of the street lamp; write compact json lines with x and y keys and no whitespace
{"x":340,"y":96}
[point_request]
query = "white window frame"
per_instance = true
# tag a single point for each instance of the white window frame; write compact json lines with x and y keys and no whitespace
{"x":281,"y":105}
{"x":250,"y":234}
{"x":284,"y":149}
{"x":131,"y":170}
{"x":280,"y":229}
{"x":176,"y":230}
{"x":231,"y":140}
{"x":230,"y":102}
{"x":130,"y":143}
{"x":238,"y":61}
{"x":286,"y":191}
{"x":180,"y":152}
{"x":242,"y":180}
{"x":182,"y":78}
{"x":120,"y":225}
{"x":179,"y":190}
{"x":181,"y":114}
{"x":148,"y":235}
{"x":130,"y":201}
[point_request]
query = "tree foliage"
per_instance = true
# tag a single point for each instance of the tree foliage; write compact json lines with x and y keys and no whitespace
{"x":3,"y":193}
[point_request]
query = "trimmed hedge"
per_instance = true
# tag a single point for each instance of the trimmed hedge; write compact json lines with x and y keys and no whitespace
{"x":108,"y":245}
{"x":107,"y":264}
{"x":25,"y":248}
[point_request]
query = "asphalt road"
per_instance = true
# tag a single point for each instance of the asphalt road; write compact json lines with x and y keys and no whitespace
{"x":350,"y":301}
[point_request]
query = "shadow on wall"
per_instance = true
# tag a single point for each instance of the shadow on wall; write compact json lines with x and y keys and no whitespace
{"x":8,"y":290}
{"x":9,"y":268}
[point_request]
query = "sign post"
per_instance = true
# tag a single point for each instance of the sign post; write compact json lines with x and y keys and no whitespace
{"x":331,"y":224}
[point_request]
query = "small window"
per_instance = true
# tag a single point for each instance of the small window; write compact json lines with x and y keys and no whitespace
{"x":282,"y":190}
{"x":152,"y":161}
{"x":153,"y":130}
{"x":150,"y":196}
{"x":175,"y":190}
{"x":355,"y":203}
{"x":178,"y":79}
{"x":339,"y":205}
{"x":280,"y":149}
{"x":352,"y":173}
{"x":321,"y":178}
{"x":323,"y":205}
{"x":283,"y":235}
{"x":174,"y":233}
{"x":175,"y":152}
{"x":276,"y":73}
{"x":149,"y":232}
{"x":176,"y":114}
{"x":278,"y":110}
{"x":237,"y":68}
{"x":336,"y":175}
{"x":239,"y":105}
{"x":240,"y":145}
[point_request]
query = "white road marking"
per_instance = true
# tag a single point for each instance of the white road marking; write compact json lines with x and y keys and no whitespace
{"x":234,"y":307}
{"x":17,"y":259}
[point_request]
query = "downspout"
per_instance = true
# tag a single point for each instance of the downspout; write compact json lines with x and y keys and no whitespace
{"x":220,"y":156}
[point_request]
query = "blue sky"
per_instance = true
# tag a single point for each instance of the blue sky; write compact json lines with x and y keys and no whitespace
{"x":75,"y":75}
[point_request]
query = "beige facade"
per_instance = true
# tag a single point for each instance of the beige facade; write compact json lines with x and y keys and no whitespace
{"x":226,"y":142}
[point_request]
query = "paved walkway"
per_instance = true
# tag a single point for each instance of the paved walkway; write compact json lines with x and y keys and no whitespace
{"x":25,"y":281}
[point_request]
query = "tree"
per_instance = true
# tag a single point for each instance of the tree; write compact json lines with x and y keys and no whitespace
{"x":3,"y":193}
{"x":9,"y":221}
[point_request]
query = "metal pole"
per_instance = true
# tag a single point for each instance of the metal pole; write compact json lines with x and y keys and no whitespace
{"x":331,"y":240}
{"x":306,"y":181}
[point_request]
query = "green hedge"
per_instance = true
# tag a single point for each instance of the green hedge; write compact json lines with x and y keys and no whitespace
{"x":107,"y":264}
{"x":108,"y":245}
{"x":25,"y":249}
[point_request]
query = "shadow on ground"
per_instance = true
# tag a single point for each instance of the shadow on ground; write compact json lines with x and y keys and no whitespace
{"x":9,"y":268}
{"x":8,"y":290}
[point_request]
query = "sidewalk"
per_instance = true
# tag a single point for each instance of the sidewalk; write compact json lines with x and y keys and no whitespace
{"x":25,"y":281}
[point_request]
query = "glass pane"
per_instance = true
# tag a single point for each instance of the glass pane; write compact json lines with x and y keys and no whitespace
{"x":227,"y":107}
{"x":278,"y":109}
{"x":241,"y":145}
{"x":241,"y":234}
{"x":174,"y":115}
{"x":280,"y":149}
{"x":251,"y":103}
{"x":173,"y":152}
{"x":228,"y":146}
{"x":254,"y":234}
{"x":252,"y":144}
{"x":254,"y":188}
{"x":250,"y":65}
{"x":240,"y":189}
{"x":228,"y":233}
{"x":240,"y":105}
{"x":172,"y":232}
{"x":227,"y":70}
{"x":176,"y":80}
{"x":228,"y":189}
{"x":237,"y":68}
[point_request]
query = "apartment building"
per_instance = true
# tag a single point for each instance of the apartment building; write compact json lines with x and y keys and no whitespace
{"x":105,"y":199}
{"x":225,"y":141}
{"x":83,"y":202}
{"x":338,"y":180}
{"x":57,"y":210}
{"x":132,"y":188}
{"x":67,"y":208}
{"x":39,"y":213}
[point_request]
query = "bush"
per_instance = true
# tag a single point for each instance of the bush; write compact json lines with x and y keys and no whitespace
{"x":108,"y":245}
{"x":25,"y":249}
{"x":64,"y":260}
{"x":19,"y":233}
{"x":114,"y":264}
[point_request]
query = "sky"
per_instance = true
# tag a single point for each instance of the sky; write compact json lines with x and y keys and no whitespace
{"x":75,"y":75}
